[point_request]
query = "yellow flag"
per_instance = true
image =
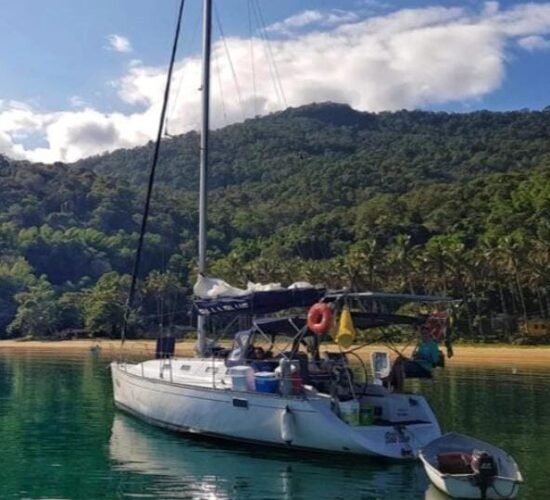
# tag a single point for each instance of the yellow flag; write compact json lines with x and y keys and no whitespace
{"x":345,"y":335}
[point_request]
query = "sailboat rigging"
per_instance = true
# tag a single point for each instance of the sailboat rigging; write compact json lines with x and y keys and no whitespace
{"x":151,"y":182}
{"x":295,"y":397}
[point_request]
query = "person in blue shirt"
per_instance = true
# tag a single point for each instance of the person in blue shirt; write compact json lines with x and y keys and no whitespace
{"x":425,"y":356}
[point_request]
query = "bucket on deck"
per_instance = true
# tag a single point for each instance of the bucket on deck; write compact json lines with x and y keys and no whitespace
{"x":242,"y":378}
{"x":266,"y":382}
{"x":288,"y":373}
{"x":349,"y":411}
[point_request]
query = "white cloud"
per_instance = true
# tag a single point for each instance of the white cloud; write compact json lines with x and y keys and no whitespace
{"x":373,"y":5}
{"x":491,"y":8}
{"x":297,"y":21}
{"x":309,"y":18}
{"x":534,"y":42}
{"x":8,"y":148}
{"x":77,"y":101}
{"x":405,"y":59}
{"x":18,"y":119}
{"x":118,"y":43}
{"x":521,"y":20}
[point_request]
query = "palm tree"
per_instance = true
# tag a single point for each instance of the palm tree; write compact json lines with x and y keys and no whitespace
{"x":168,"y":294}
{"x":372,"y":258}
{"x":446,"y":255}
{"x":401,"y":257}
{"x":489,"y":252}
{"x":539,"y":275}
{"x":434,"y":271}
{"x":513,"y":249}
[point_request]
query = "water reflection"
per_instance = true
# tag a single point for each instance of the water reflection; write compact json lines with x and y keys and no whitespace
{"x":190,"y":469}
{"x":61,"y":438}
{"x":54,"y":414}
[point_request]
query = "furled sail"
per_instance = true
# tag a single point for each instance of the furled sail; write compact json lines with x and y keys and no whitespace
{"x":215,"y":296}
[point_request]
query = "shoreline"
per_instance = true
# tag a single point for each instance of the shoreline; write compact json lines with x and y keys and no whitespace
{"x":501,"y":355}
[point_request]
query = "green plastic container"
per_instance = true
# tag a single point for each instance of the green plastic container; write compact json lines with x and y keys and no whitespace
{"x":349,"y":411}
{"x":366,"y":414}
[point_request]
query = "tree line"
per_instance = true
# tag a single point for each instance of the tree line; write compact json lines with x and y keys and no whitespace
{"x":420,"y":202}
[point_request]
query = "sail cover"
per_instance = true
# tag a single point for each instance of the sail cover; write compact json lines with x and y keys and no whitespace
{"x":214,"y":296}
{"x":260,"y":302}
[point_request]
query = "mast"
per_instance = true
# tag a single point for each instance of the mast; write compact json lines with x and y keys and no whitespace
{"x":203,"y":187}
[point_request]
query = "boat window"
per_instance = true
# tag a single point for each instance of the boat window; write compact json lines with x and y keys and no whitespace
{"x":185,"y":368}
{"x":211,"y":369}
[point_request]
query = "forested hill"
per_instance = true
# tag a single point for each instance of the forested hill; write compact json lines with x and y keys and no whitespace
{"x":386,"y":151}
{"x":405,"y":201}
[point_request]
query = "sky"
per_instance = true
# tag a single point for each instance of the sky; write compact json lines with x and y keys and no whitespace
{"x":79,"y":78}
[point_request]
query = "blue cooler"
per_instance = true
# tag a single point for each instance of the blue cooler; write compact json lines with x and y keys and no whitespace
{"x":266,"y":382}
{"x":267,"y":365}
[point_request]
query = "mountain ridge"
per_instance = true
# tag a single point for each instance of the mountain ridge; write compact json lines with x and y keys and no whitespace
{"x":326,"y":132}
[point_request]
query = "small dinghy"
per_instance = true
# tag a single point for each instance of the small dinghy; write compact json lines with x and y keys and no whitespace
{"x":464,"y":467}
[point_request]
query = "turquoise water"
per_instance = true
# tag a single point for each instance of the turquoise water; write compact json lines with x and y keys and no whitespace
{"x":61,"y":438}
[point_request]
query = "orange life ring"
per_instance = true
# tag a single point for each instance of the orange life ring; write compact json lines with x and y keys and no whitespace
{"x":319,"y":318}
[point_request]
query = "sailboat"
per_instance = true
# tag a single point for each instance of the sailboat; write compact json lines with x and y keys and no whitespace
{"x":294,"y":397}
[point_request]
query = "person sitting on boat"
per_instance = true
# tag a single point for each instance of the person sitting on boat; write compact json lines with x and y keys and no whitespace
{"x":439,"y":323}
{"x":425,"y":357}
{"x":255,"y":353}
{"x":259,"y":353}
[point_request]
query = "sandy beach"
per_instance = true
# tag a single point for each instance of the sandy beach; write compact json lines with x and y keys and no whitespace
{"x":502,"y":355}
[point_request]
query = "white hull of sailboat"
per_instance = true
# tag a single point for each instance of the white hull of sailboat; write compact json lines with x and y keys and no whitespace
{"x":214,"y":409}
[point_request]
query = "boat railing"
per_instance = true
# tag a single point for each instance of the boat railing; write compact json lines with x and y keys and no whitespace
{"x":166,"y":364}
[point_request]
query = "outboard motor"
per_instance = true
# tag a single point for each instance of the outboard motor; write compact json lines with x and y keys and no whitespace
{"x":485,"y":470}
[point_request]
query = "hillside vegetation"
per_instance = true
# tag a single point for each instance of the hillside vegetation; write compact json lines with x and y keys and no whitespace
{"x":416,"y":201}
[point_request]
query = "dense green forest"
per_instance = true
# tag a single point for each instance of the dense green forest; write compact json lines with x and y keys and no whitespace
{"x":411,"y":201}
